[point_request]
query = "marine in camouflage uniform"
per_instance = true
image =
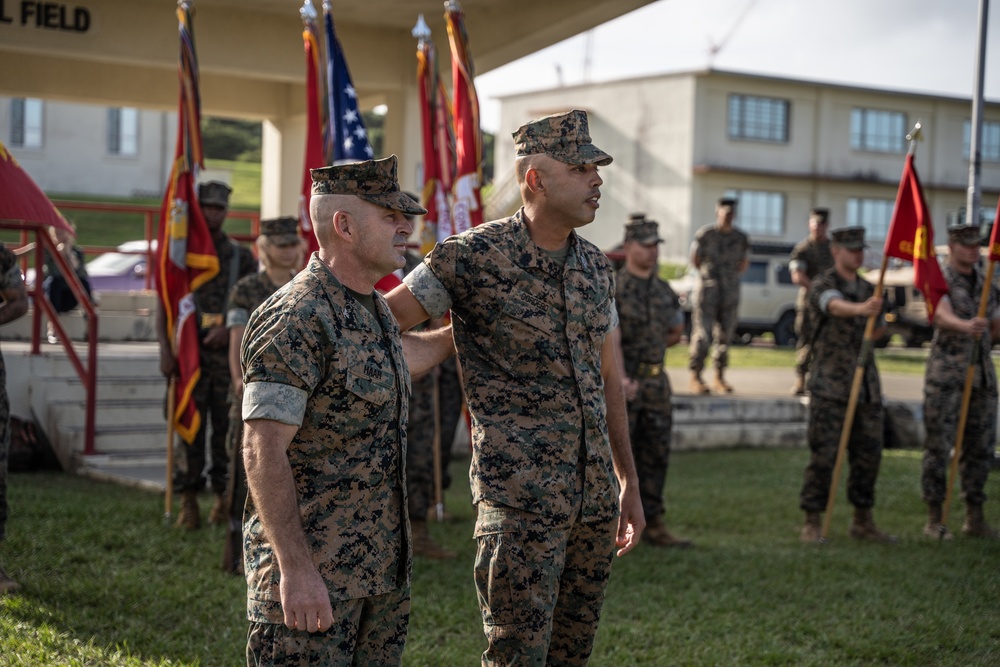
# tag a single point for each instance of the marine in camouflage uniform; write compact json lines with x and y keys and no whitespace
{"x":326,"y":539}
{"x":211,"y":393}
{"x":719,"y":252}
{"x":276,"y":235}
{"x":651,"y":320}
{"x":956,"y":321}
{"x":810,"y":257}
{"x":14,"y":304}
{"x":840,"y":303}
{"x":532,"y":327}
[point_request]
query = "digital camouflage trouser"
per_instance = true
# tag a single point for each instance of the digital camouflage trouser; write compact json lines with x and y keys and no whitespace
{"x":864,"y":450}
{"x":714,"y":317}
{"x":540,"y":585}
{"x":369,"y":631}
{"x":211,"y":395}
{"x":941,"y":411}
{"x":649,"y":432}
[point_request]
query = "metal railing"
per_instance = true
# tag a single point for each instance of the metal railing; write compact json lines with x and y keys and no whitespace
{"x":43,"y":243}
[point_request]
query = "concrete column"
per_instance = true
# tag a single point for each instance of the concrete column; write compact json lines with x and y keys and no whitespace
{"x":282,"y":162}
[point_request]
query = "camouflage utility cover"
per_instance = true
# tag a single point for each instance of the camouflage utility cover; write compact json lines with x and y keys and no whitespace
{"x":837,"y":342}
{"x":721,"y":254}
{"x":280,"y":231}
{"x":372,"y":180}
{"x":312,"y":339}
{"x":214,"y":193}
{"x":565,"y":137}
{"x":529,"y":335}
{"x":642,"y":231}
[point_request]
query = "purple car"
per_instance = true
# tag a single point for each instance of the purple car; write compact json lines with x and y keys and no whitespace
{"x":123,"y":271}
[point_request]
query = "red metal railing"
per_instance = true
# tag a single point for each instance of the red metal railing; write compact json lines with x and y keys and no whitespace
{"x":43,"y":243}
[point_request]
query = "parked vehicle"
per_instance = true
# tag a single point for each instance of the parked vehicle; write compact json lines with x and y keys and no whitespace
{"x":767,"y":296}
{"x":122,"y":271}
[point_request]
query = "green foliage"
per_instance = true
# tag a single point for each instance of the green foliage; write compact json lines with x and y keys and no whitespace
{"x":375,"y":126}
{"x":230,"y":139}
{"x":107,"y":583}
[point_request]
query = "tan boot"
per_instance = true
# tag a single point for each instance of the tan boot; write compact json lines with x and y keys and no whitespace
{"x":934,"y":528}
{"x":720,"y":385}
{"x":698,"y":386}
{"x":975,"y":524}
{"x":799,"y":388}
{"x":189,"y":516}
{"x":424,"y":545}
{"x":812,"y":529}
{"x":656,"y":534}
{"x":863,"y":528}
{"x":7,"y":585}
{"x":219,"y":515}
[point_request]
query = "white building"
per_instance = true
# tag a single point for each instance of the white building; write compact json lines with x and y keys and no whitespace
{"x":781,"y":146}
{"x":87,"y":149}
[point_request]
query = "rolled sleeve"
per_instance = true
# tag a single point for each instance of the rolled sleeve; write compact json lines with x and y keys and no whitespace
{"x":826,"y":297}
{"x":277,"y":402}
{"x":237,"y":317}
{"x":429,"y":291}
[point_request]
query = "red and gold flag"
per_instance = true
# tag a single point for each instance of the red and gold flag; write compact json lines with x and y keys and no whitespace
{"x":467,"y":208}
{"x":438,"y":148}
{"x":995,"y":237}
{"x":185,"y":254}
{"x":315,"y":124}
{"x":911,"y":237}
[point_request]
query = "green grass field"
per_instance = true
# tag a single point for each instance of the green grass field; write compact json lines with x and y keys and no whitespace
{"x":106,"y":583}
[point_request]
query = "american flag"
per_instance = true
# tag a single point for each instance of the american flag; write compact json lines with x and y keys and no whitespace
{"x":348,"y":135}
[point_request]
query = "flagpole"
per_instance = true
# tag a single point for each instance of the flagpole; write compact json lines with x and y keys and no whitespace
{"x":864,"y":354}
{"x":171,"y":402}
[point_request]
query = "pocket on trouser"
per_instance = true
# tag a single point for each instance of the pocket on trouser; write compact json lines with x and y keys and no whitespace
{"x":501,"y":574}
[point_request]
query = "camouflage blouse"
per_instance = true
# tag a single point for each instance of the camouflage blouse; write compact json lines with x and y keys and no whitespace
{"x":837,"y":342}
{"x":312,"y":355}
{"x":529,"y":335}
{"x":720,"y":254}
{"x":949,"y":357}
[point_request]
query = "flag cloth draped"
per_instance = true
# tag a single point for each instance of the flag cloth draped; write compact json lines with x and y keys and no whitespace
{"x":348,"y":137}
{"x":438,"y":145}
{"x":315,"y":124}
{"x":994,"y":237}
{"x":911,"y":237}
{"x":185,"y":254}
{"x":22,"y":199}
{"x":467,"y":208}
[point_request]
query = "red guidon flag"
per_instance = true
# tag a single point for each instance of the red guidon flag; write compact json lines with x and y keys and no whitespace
{"x":911,"y":237}
{"x":438,"y":148}
{"x":185,"y":254}
{"x":995,"y":237}
{"x":467,"y":207}
{"x":314,"y":124}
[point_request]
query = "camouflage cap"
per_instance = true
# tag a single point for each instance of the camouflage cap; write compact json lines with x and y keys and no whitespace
{"x":214,"y":193}
{"x":280,"y":231}
{"x":371,"y":180}
{"x":726,"y":202}
{"x":564,"y":137}
{"x":852,"y":238}
{"x":641,"y":230}
{"x":964,"y":234}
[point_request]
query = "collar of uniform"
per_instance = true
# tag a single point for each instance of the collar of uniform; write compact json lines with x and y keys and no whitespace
{"x":531,"y":255}
{"x":355,"y":316}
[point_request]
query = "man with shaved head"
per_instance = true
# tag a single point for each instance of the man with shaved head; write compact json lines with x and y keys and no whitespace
{"x":327,"y":542}
{"x":552,"y":475}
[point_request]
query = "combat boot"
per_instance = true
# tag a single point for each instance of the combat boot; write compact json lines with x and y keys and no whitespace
{"x":799,"y":388}
{"x":7,"y":585}
{"x":863,"y":528}
{"x":698,"y":386}
{"x":812,"y":529}
{"x":656,"y":534}
{"x":424,"y":545}
{"x":934,"y":528}
{"x":189,"y":516}
{"x":975,"y":524}
{"x":720,"y":385}
{"x":219,"y":515}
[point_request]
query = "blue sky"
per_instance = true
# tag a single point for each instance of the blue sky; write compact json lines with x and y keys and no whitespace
{"x":912,"y":45}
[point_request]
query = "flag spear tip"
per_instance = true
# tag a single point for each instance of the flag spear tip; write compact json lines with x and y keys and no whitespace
{"x":916,"y":134}
{"x":307,"y":12}
{"x":420,"y":30}
{"x":452,"y":6}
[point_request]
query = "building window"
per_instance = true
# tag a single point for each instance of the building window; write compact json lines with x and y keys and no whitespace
{"x":872,"y":214}
{"x":759,"y":213}
{"x":123,"y":131}
{"x":989,"y":141}
{"x":880,"y":131}
{"x":26,"y":122}
{"x":758,"y":118}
